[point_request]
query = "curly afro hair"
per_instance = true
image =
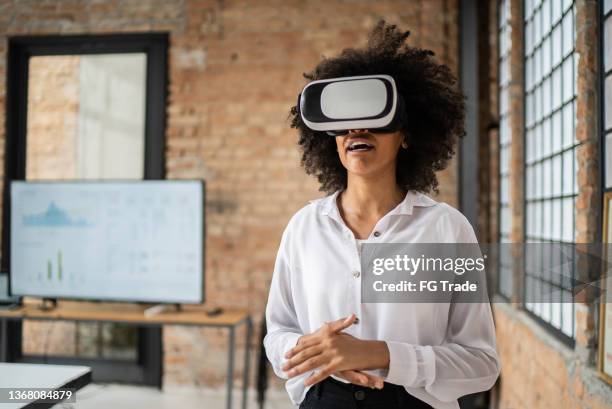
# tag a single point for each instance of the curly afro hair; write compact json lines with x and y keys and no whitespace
{"x":435,"y":110}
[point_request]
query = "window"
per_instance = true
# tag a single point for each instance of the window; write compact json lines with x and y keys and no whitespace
{"x":550,"y":151}
{"x":505,"y":219}
{"x":86,"y":107}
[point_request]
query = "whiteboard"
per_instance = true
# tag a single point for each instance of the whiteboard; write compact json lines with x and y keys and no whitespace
{"x":118,"y":241}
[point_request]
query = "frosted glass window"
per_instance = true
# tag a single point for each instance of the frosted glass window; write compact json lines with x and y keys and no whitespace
{"x":546,"y":94}
{"x":556,"y":46}
{"x":556,"y":89}
{"x":608,"y":167}
{"x":546,"y":145}
{"x":556,"y":126}
{"x":537,"y":30}
{"x":557,"y":170}
{"x":568,"y":33}
{"x":546,"y":55}
{"x":568,"y":79}
{"x":550,"y":132}
{"x":546,"y":13}
{"x":556,"y":215}
{"x":567,"y":314}
{"x":556,"y":13}
{"x":608,"y":44}
{"x":568,"y":125}
{"x":547,"y":134}
{"x":568,"y":167}
{"x":608,"y":101}
{"x":568,"y":219}
{"x":546,"y":176}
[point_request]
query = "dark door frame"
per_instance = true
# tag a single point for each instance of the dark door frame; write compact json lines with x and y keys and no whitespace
{"x":148,"y":369}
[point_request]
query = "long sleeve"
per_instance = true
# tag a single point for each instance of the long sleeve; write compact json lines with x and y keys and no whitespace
{"x":281,"y":319}
{"x":467,"y":362}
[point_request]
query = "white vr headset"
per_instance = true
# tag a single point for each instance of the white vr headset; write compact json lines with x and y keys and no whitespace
{"x":336,"y":105}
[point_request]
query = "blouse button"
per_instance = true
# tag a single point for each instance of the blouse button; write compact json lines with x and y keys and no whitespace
{"x":356,"y":274}
{"x":360,"y":395}
{"x":376,"y":233}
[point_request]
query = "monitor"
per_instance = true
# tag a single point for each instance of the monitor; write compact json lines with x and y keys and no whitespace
{"x":136,"y":241}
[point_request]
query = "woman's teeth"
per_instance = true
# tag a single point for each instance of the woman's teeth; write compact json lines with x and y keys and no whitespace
{"x":359,"y":146}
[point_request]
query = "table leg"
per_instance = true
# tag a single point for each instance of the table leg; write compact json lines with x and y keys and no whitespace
{"x":247,"y":360}
{"x":230,"y":366}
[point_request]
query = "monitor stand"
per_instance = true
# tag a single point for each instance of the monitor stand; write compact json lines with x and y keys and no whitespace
{"x":48,"y":304}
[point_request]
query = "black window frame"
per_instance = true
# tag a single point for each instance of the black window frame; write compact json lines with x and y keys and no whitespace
{"x":569,"y":341}
{"x":148,"y":368}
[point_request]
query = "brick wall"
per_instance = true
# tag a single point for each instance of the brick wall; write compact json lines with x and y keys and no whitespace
{"x":235,"y":69}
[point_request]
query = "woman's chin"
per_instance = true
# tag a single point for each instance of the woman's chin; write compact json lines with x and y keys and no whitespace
{"x":362,"y":171}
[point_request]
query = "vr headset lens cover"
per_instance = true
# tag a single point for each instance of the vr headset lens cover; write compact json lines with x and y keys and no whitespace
{"x":361,"y":102}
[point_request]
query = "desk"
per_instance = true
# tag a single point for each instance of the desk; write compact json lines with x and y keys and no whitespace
{"x":41,"y":376}
{"x":134,"y":314}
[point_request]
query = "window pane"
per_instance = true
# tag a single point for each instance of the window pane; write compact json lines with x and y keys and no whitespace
{"x":568,"y":125}
{"x":536,"y":29}
{"x":556,"y":46}
{"x":568,"y":220}
{"x":608,"y":101}
{"x":547,"y":136}
{"x":546,"y":170}
{"x":556,"y":88}
{"x":567,"y":326}
{"x":556,"y":215}
{"x":608,"y":165}
{"x":556,"y":14}
{"x":557,"y":176}
{"x":568,"y":172}
{"x":568,"y":79}
{"x":608,"y":44}
{"x":546,"y":14}
{"x":557,"y":133}
{"x":101,"y":99}
{"x":568,"y":34}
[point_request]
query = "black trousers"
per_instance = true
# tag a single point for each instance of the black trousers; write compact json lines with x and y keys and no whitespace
{"x":333,"y":394}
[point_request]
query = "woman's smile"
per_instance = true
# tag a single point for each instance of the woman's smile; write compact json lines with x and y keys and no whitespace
{"x":359,"y":145}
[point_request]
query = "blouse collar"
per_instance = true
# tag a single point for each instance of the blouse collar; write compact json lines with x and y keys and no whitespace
{"x":328,"y":204}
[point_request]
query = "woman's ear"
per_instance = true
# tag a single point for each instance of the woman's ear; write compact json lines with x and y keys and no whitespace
{"x":405,"y":142}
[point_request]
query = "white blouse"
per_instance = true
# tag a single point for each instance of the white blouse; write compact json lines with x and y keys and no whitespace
{"x":438,"y":352}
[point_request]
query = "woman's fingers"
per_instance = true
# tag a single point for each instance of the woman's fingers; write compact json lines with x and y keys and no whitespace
{"x":319,"y":376}
{"x":308,"y":365}
{"x":363,"y":379}
{"x":302,"y":346}
{"x":342,"y":324}
{"x":301,"y":357}
{"x":309,"y":340}
{"x":355,"y":377}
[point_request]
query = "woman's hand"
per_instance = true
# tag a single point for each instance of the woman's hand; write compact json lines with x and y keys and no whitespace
{"x":362,"y":379}
{"x":331,"y":351}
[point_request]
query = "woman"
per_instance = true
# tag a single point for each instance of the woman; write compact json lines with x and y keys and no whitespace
{"x":335,"y":351}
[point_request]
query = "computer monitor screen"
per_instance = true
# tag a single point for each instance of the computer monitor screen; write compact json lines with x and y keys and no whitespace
{"x":139,"y":241}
